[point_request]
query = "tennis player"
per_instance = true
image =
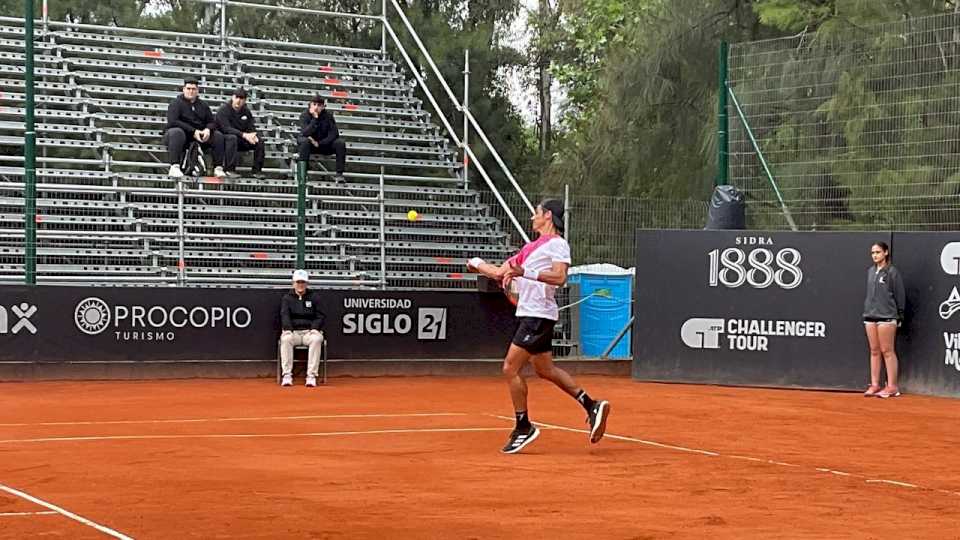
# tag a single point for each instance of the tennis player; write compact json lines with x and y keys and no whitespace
{"x":539,"y":268}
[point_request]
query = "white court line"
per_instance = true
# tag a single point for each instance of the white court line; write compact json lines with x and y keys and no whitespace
{"x":248,"y":435}
{"x":239,"y":419}
{"x":618,"y":437}
{"x":11,"y":514}
{"x":838,"y":473}
{"x":894,"y":482}
{"x":709,"y":453}
{"x":67,"y":513}
{"x":758,"y":460}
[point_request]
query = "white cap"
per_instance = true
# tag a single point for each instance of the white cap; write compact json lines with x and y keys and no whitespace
{"x":301,"y":275}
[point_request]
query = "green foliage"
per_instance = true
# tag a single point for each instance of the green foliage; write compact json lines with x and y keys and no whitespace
{"x":860,"y":128}
{"x":642,"y":119}
{"x":794,"y":15}
{"x":589,"y":28}
{"x":119,"y":12}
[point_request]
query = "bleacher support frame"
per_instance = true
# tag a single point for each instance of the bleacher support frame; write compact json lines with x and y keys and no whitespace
{"x":332,"y":226}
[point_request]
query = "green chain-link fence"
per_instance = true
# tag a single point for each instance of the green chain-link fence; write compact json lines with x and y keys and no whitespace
{"x":603,"y":229}
{"x":861,"y":129}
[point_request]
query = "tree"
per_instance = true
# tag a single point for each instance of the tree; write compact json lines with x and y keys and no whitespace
{"x":640,"y":77}
{"x":642,"y":83}
{"x":449,"y":27}
{"x":544,"y":22}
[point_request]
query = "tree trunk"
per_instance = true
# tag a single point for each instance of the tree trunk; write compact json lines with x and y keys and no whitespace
{"x":546,"y":127}
{"x":544,"y":79}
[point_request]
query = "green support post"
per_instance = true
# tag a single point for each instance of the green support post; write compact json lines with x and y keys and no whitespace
{"x":723,"y":149}
{"x":29,"y":156}
{"x":301,"y":213}
{"x":763,"y":160}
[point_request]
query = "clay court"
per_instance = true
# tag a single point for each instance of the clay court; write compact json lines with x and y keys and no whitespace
{"x":419,"y":458}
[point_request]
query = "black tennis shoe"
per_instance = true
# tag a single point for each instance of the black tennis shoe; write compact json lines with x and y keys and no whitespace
{"x":520,"y":438}
{"x":597,"y":418}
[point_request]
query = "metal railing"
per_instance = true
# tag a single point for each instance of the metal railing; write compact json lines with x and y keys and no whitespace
{"x":387,"y":30}
{"x":461,"y":106}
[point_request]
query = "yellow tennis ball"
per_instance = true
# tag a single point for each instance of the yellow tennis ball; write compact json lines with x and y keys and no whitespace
{"x":412,"y":215}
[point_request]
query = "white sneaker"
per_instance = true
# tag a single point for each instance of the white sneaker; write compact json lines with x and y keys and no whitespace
{"x":287,"y":380}
{"x":218,"y":172}
{"x":175,"y":171}
{"x":311,"y":381}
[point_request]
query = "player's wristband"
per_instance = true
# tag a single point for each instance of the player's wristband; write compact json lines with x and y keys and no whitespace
{"x":531,"y":274}
{"x":476,"y":262}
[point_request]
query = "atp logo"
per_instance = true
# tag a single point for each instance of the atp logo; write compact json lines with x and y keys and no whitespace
{"x":950,"y":258}
{"x":951,"y":305}
{"x":22,"y":313}
{"x":702,"y":333}
{"x":950,"y":263}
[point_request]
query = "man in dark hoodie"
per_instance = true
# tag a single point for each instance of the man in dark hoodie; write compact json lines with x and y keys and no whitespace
{"x":239,"y":129}
{"x":319,"y":135}
{"x":189,"y":118}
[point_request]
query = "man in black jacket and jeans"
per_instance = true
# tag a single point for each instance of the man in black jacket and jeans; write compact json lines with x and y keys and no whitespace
{"x":239,"y":129}
{"x":301,"y":322}
{"x":189,"y":118}
{"x":319,"y":135}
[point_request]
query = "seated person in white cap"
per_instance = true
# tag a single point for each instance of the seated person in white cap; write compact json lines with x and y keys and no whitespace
{"x":302,"y":323}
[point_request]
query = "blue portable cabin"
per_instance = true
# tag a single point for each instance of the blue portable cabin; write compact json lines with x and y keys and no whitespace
{"x":603,"y":316}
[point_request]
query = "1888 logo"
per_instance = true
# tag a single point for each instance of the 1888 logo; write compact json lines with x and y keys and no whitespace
{"x":759,"y":267}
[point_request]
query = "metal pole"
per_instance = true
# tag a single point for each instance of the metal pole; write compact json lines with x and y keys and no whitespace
{"x":763,"y":160}
{"x":223,"y":23}
{"x":45,"y":16}
{"x":456,"y":138}
{"x":301,"y":213}
{"x":723,"y":144}
{"x":453,"y":99}
{"x":499,"y":160}
{"x":383,"y":235}
{"x":423,"y":50}
{"x":616,"y":340}
{"x":383,"y":27}
{"x":423,"y":85}
{"x":466,"y":122}
{"x":566,"y":211}
{"x":305,"y":11}
{"x":29,"y":155}
{"x":181,"y":234}
{"x":498,"y":196}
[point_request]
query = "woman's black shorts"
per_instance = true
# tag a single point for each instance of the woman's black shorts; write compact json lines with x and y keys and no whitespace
{"x":534,"y":335}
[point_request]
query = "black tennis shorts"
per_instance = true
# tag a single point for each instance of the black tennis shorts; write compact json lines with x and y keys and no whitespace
{"x":534,"y":335}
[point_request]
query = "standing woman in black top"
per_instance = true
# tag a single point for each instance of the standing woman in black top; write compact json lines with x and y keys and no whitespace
{"x":882,"y":315}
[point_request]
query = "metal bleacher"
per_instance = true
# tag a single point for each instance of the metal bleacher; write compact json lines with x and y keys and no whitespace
{"x":107,"y":213}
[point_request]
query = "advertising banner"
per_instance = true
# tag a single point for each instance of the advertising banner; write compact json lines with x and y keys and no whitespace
{"x":929,"y":341}
{"x":752,"y":308}
{"x":102,"y":324}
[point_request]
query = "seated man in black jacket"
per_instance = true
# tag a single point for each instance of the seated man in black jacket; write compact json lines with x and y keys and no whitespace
{"x":319,"y":135}
{"x":188,"y":117}
{"x":239,"y":129}
{"x":302,"y":323}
